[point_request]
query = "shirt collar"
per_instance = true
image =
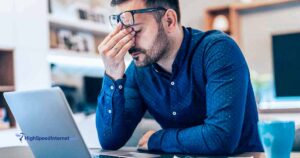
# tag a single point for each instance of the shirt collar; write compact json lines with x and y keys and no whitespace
{"x":182,"y":52}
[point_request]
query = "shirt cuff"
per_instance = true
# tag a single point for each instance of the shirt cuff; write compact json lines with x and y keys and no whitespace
{"x":111,"y":87}
{"x":163,"y":139}
{"x":154,"y":143}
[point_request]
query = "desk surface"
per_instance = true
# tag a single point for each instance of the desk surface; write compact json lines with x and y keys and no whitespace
{"x":245,"y":155}
{"x":25,"y":152}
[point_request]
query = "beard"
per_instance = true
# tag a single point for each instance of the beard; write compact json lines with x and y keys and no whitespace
{"x":157,"y":51}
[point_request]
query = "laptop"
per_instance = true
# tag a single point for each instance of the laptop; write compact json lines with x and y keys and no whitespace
{"x":47,"y":123}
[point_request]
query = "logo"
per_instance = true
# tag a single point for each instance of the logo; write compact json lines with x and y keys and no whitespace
{"x":22,"y":136}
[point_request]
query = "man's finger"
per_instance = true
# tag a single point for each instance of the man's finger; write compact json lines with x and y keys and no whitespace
{"x":114,"y":40}
{"x":112,"y":34}
{"x":125,"y":49}
{"x":141,"y":142}
{"x":117,"y":49}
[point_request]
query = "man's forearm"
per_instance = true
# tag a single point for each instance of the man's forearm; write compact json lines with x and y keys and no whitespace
{"x":202,"y":139}
{"x":116,"y":117}
{"x":107,"y":113}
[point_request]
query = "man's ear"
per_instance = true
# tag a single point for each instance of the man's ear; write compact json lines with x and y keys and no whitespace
{"x":170,"y":19}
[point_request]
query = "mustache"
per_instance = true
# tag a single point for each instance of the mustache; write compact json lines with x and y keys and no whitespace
{"x":135,"y":49}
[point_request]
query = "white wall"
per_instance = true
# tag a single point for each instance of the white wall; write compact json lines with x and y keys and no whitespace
{"x":6,"y":24}
{"x":24,"y":29}
{"x":258,"y":25}
{"x":32,"y":68}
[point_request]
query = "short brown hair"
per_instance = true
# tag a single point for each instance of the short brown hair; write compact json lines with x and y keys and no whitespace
{"x":168,"y":4}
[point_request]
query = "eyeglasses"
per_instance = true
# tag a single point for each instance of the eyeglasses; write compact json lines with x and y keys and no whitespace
{"x":127,"y":17}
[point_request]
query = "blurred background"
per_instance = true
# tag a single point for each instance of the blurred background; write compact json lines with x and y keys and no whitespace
{"x":45,"y":43}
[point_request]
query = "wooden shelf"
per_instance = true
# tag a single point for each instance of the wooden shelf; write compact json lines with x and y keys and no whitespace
{"x":5,"y":49}
{"x":251,"y":5}
{"x":4,"y":126}
{"x":72,"y":58}
{"x":218,"y":8}
{"x":280,"y":106}
{"x":7,"y":88}
{"x":259,"y":4}
{"x":78,"y":59}
{"x":79,"y":25}
{"x":70,"y":53}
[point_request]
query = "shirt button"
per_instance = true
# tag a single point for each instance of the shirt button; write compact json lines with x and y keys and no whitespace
{"x":172,"y":83}
{"x":109,"y":111}
{"x":112,"y":87}
{"x":174,"y":113}
{"x":120,"y":86}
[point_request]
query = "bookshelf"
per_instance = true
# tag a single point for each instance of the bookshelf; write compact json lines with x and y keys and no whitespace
{"x":6,"y":85}
{"x":232,"y":14}
{"x":78,"y":25}
{"x":76,"y":32}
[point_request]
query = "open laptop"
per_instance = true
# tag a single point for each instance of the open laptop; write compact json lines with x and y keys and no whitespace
{"x":45,"y":114}
{"x":47,"y":125}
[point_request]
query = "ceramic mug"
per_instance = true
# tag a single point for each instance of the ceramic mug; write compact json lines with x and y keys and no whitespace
{"x":277,"y":138}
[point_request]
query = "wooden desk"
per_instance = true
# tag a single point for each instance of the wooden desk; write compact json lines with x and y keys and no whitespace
{"x":25,"y":152}
{"x":246,"y":155}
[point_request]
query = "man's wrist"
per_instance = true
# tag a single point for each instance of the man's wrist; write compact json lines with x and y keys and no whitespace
{"x":113,"y":76}
{"x":111,"y":87}
{"x":154,"y":142}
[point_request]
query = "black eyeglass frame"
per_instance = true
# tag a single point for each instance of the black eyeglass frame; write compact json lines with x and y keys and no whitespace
{"x":146,"y":10}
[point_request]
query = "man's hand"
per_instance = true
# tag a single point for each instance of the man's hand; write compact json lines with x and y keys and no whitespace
{"x":113,"y":49}
{"x":143,"y":143}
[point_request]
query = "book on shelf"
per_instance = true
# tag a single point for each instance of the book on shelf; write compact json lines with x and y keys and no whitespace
{"x":4,"y":119}
{"x":53,"y":38}
{"x":80,"y":10}
{"x":74,"y":41}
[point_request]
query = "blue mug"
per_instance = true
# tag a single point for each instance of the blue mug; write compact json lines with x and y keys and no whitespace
{"x":277,"y":138}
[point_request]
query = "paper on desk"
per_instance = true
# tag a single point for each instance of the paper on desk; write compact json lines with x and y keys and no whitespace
{"x":129,"y":154}
{"x":124,"y":153}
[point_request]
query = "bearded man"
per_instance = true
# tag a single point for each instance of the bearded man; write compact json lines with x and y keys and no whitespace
{"x":195,"y":84}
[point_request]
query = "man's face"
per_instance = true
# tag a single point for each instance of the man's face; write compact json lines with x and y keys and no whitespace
{"x":151,"y":41}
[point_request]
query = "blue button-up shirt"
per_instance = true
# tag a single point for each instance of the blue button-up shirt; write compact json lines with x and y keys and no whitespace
{"x":205,"y":106}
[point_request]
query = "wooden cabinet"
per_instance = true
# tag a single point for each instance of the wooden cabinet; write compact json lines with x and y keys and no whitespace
{"x":230,"y":15}
{"x":6,"y":85}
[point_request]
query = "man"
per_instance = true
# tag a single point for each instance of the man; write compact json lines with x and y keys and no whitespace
{"x":195,"y":84}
